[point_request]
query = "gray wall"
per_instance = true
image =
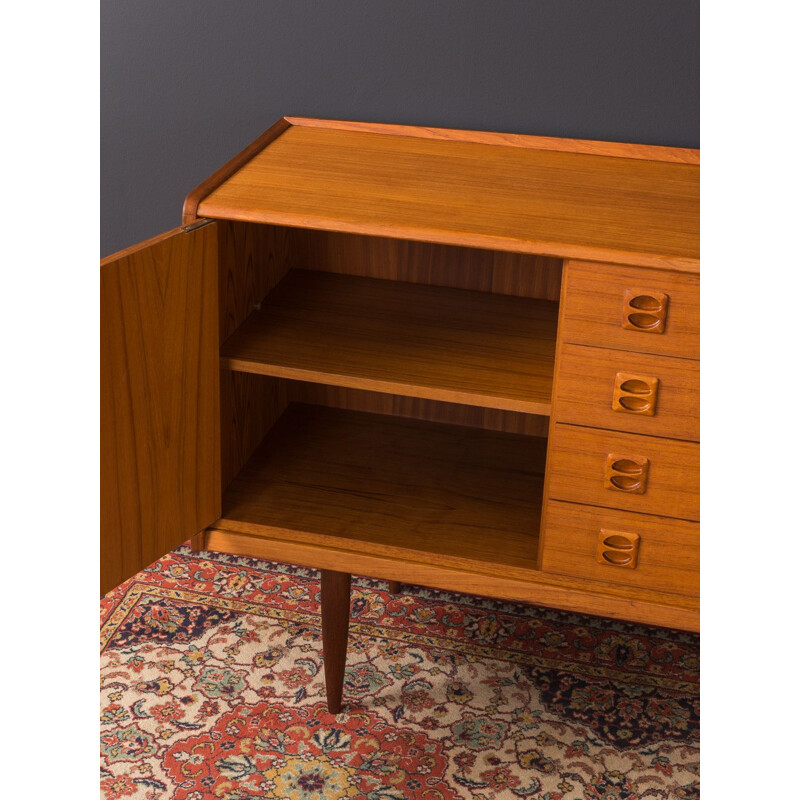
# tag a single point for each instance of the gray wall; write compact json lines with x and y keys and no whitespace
{"x":187,"y":83}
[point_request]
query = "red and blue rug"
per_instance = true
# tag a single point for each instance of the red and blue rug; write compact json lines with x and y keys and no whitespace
{"x":212,"y":687}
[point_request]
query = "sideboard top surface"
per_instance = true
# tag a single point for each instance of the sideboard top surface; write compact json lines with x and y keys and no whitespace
{"x":629,"y":204}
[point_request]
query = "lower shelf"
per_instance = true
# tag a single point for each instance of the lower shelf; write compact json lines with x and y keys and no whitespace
{"x":429,"y":504}
{"x":447,"y":495}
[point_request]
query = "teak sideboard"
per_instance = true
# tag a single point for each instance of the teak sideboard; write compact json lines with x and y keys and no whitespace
{"x":449,"y":358}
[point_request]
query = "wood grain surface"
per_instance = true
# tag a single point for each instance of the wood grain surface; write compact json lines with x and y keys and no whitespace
{"x":159,"y":399}
{"x":577,"y":460}
{"x":649,"y":152}
{"x":229,"y":168}
{"x":399,"y":487}
{"x":519,"y":274}
{"x":548,"y":589}
{"x":557,"y":373}
{"x":335,"y":602}
{"x":586,"y":379}
{"x":249,"y":406}
{"x":669,"y":549}
{"x":252,"y":260}
{"x":444,"y":344}
{"x":552,"y":203}
{"x":593,"y":309}
{"x":492,"y":419}
{"x":213,"y":340}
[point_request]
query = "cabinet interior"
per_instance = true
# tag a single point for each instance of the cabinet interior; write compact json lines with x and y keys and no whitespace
{"x":384,"y":395}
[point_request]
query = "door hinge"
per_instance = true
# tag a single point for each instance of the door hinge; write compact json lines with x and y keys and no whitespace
{"x":198,"y":223}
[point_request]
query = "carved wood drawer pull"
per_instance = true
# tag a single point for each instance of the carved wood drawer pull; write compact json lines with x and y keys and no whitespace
{"x":635,"y":394}
{"x":626,"y":473}
{"x":644,"y":310}
{"x":618,"y":549}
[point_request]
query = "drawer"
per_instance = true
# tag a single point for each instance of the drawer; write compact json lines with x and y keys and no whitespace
{"x":630,"y":392}
{"x":622,"y":547}
{"x":625,"y":471}
{"x":626,"y":308}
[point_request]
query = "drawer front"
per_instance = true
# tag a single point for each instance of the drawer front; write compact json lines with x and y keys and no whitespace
{"x":625,"y":308}
{"x":629,"y":392}
{"x":625,"y":471}
{"x":622,"y":547}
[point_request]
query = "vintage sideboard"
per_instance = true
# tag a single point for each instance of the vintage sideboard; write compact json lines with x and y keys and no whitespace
{"x":449,"y":358}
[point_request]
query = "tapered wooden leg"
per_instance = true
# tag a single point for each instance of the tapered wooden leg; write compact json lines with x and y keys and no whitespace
{"x":394,"y":587}
{"x":335,"y":623}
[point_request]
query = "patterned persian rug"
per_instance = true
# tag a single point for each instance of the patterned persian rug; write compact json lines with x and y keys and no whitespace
{"x":212,"y":687}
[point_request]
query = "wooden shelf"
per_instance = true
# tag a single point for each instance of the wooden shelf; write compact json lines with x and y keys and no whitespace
{"x":431,"y":342}
{"x":416,"y":491}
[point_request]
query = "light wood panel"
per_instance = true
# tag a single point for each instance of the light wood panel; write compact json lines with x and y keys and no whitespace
{"x":249,"y":406}
{"x":398,"y":487}
{"x":159,"y":399}
{"x":649,"y":152}
{"x":563,"y":204}
{"x":430,"y":342}
{"x":594,"y":309}
{"x":586,"y":382}
{"x":547,"y":589}
{"x":669,"y":549}
{"x":252,"y":260}
{"x":557,"y":373}
{"x":519,"y":274}
{"x":398,"y":405}
{"x":578,"y":459}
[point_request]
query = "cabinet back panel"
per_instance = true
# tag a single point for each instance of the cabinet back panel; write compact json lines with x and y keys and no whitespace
{"x":431,"y":264}
{"x":415,"y":408}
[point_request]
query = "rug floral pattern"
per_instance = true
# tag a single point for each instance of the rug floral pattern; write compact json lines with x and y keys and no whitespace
{"x":212,"y":688}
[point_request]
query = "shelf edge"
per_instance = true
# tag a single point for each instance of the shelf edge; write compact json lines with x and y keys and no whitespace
{"x":482,"y":241}
{"x":235,"y":364}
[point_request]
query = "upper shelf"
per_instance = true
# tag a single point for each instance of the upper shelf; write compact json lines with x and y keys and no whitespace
{"x":432,"y":342}
{"x":630,"y":204}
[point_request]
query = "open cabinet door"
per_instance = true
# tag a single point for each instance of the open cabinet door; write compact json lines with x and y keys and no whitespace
{"x":159,"y":398}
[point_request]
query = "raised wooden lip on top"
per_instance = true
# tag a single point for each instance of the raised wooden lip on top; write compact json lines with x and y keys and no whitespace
{"x":655,"y":153}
